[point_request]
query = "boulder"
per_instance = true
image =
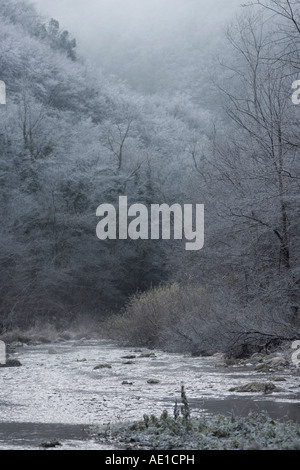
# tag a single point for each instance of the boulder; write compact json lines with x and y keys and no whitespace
{"x":270,"y":363}
{"x":275,"y":361}
{"x":153,"y":381}
{"x":256,"y":387}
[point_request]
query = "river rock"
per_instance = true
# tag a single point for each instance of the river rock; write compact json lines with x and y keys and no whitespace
{"x":276,"y":361}
{"x":272,"y":363}
{"x":11,"y":363}
{"x":49,"y":445}
{"x":262,"y":367}
{"x":102,"y":366}
{"x":256,"y":357}
{"x":277,"y":378}
{"x":256,"y":387}
{"x":153,"y":381}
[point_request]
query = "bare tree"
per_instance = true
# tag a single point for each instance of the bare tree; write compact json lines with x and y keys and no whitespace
{"x":252,"y":171}
{"x":286,"y":15}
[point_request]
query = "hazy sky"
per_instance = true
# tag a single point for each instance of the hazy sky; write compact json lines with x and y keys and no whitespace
{"x":127,"y":36}
{"x":95,"y":21}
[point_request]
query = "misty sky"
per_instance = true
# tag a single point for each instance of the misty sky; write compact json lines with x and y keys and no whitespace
{"x":135,"y":38}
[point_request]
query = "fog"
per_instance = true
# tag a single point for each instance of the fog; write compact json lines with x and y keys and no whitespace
{"x":144,"y":42}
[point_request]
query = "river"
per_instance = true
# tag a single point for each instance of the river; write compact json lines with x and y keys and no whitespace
{"x":59,"y":393}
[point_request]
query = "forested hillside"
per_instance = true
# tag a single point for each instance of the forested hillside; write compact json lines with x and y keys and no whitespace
{"x":72,"y":137}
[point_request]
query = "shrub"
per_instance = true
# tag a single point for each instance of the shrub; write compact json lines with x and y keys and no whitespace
{"x":155,"y":318}
{"x":190,"y":319}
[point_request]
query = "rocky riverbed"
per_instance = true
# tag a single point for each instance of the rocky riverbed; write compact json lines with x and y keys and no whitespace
{"x":63,"y":390}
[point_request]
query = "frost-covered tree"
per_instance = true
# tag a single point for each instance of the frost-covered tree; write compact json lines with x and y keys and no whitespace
{"x":249,"y":171}
{"x":71,"y":139}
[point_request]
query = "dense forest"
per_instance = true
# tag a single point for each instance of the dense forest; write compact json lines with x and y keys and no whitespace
{"x":73,"y":137}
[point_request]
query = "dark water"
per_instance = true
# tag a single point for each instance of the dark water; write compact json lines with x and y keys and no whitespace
{"x":284,"y":410}
{"x":31,"y":435}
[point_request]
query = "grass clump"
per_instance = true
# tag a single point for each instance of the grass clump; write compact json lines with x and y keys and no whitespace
{"x":254,"y":432}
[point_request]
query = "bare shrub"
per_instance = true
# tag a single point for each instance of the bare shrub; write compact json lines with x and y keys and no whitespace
{"x":188,"y":318}
{"x":47,"y":334}
{"x":150,"y":316}
{"x":82,"y":326}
